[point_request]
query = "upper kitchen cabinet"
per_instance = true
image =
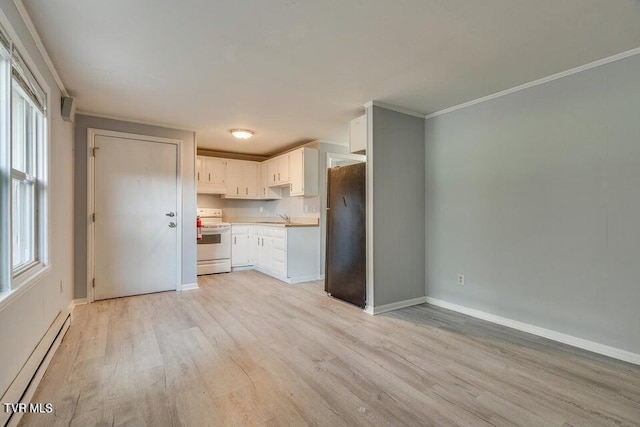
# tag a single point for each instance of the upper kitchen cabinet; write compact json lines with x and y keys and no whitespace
{"x":278,"y":169}
{"x":243,"y":180}
{"x":284,"y":166}
{"x":358,"y":135}
{"x":303,"y":168}
{"x":267,"y":192}
{"x":211,"y":175}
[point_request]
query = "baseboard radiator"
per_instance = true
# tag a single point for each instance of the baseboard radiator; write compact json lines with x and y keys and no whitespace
{"x":26,"y":382}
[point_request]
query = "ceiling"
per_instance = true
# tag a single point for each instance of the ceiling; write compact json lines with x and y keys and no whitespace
{"x":299,"y":70}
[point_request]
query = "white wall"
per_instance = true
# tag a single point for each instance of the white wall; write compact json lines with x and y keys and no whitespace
{"x":82,"y":123}
{"x":26,"y":319}
{"x":534,"y":197}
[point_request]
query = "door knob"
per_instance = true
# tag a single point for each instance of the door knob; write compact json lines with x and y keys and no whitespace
{"x":172,"y":225}
{"x":171,"y":214}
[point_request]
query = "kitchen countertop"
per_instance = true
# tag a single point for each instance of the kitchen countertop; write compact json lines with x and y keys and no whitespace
{"x":295,"y":222}
{"x":272,"y":224}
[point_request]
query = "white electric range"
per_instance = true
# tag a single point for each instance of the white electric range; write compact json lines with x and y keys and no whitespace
{"x":214,"y":249}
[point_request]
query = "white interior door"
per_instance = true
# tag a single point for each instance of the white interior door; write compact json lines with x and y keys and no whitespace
{"x":136,"y":241}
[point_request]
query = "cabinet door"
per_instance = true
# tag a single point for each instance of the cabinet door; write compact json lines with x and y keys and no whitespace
{"x":215,"y":170}
{"x":200,"y":170}
{"x":283,"y":168}
{"x":235,"y":178}
{"x":267,"y":253}
{"x":264,"y":179}
{"x":358,"y":134}
{"x":239,"y":250}
{"x":251,"y":179}
{"x":272,"y":169}
{"x":254,"y":252}
{"x":296,"y":176}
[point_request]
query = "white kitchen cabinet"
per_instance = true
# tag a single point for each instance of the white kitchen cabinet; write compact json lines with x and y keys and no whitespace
{"x":303,"y":178}
{"x":242,"y":179}
{"x":268,"y":192}
{"x":252,"y":179}
{"x":272,"y":167}
{"x":278,"y":169}
{"x":255,"y":254}
{"x":215,"y":170}
{"x":235,"y":178}
{"x":240,"y":246}
{"x":283,"y":168}
{"x":263,"y":248}
{"x":200,"y":176}
{"x":290,"y":254}
{"x":358,"y":135}
{"x":211,"y":175}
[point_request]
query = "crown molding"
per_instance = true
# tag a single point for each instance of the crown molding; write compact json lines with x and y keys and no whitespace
{"x":394,"y":108}
{"x":543,"y":80}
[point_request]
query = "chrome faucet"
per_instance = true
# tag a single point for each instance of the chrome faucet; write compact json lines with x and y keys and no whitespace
{"x":286,"y":218}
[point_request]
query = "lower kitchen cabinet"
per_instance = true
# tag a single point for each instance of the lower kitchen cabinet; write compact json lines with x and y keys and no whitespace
{"x":240,"y":246}
{"x":290,"y":254}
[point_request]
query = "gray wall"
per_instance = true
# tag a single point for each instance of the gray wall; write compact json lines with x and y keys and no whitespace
{"x":534,"y":197}
{"x":398,"y":206}
{"x":82,"y":123}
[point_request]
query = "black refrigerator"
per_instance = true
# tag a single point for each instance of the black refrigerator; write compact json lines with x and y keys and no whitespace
{"x":345,"y":269}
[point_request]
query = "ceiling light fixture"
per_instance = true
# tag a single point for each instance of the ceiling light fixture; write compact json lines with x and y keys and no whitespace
{"x":241,"y":133}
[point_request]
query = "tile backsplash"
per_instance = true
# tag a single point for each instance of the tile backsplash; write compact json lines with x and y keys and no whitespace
{"x":292,"y":206}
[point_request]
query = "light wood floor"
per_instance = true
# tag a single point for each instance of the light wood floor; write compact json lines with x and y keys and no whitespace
{"x":246,"y":349}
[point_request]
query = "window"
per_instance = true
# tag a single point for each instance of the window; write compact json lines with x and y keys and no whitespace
{"x":22,"y":167}
{"x":26,"y":131}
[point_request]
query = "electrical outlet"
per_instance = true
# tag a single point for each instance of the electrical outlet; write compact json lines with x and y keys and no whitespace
{"x":460,"y":279}
{"x":261,"y":209}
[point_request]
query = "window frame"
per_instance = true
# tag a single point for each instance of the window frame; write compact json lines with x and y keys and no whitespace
{"x":15,"y":282}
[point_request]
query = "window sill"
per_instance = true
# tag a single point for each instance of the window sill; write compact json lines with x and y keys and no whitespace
{"x":23,"y":283}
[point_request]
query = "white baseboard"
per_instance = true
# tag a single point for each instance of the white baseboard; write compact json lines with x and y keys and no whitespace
{"x":80,"y":301}
{"x":189,"y":286}
{"x":594,"y":347}
{"x":26,"y":382}
{"x":321,"y":277}
{"x":301,"y":279}
{"x":394,"y":305}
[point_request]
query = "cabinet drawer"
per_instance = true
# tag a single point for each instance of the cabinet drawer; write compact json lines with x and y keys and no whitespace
{"x":241,"y":229}
{"x":278,"y":232}
{"x":258,"y":230}
{"x":279,"y":244}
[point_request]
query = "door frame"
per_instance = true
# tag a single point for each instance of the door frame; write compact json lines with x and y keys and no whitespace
{"x":91,"y":134}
